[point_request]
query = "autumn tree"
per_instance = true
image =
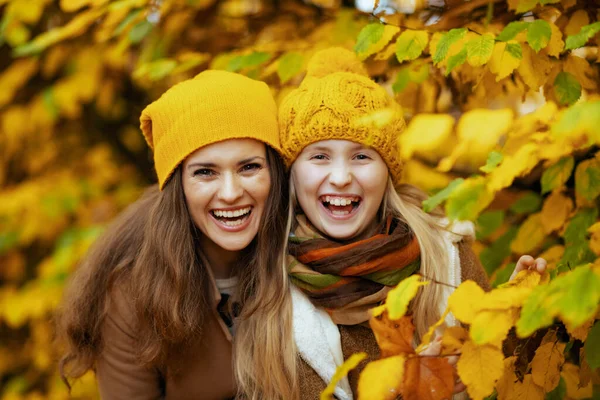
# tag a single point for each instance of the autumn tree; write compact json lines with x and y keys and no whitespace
{"x":503,"y":112}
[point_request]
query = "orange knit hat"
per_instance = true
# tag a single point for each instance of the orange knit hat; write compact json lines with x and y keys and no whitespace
{"x":337,"y":100}
{"x":212,"y":107}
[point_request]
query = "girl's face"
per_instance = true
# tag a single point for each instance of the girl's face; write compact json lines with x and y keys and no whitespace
{"x":226,"y":185}
{"x":340,"y":186}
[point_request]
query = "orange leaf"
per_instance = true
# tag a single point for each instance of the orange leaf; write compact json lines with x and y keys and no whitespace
{"x":528,"y":390}
{"x":393,"y":337}
{"x":546,"y":364}
{"x":427,"y":378}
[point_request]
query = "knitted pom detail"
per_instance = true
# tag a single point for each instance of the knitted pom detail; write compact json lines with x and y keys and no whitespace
{"x":334,"y":59}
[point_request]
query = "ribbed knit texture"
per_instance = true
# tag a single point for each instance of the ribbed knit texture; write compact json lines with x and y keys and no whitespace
{"x":337,"y":100}
{"x":212,"y":107}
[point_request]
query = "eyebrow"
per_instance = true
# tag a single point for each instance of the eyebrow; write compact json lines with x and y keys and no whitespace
{"x":213,"y":165}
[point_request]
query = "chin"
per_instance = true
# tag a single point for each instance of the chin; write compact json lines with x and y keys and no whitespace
{"x":234,"y":246}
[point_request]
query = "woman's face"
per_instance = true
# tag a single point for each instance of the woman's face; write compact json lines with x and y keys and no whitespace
{"x":226,"y":185}
{"x":340,"y":186}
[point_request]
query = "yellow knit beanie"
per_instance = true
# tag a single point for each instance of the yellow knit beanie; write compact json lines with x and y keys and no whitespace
{"x":337,"y":100}
{"x":213,"y":106}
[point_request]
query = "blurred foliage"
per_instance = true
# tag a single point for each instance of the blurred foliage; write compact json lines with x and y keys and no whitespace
{"x":501,"y":99}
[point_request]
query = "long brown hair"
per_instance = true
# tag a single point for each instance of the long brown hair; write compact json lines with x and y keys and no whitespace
{"x":153,"y":248}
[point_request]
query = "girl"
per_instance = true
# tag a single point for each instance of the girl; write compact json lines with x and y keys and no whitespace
{"x":148,"y":309}
{"x":356,"y":231}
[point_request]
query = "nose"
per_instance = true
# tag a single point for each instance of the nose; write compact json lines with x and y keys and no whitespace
{"x":340,"y":175}
{"x":231,"y":189}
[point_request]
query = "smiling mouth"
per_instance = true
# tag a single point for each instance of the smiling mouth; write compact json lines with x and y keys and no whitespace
{"x":232,"y":218}
{"x":340,"y":205}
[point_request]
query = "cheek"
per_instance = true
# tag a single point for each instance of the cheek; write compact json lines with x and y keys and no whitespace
{"x":259,"y":187}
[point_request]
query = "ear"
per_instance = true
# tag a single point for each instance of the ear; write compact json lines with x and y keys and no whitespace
{"x":146,"y":127}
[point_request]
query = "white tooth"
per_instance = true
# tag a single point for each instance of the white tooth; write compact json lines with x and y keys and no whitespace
{"x":236,"y":213}
{"x":217,"y":213}
{"x":327,"y":199}
{"x":344,"y":202}
{"x":336,"y":202}
{"x":228,"y":214}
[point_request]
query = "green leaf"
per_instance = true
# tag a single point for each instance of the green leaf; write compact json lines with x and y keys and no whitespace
{"x":161,"y":68}
{"x":488,"y":222}
{"x":410,"y":44}
{"x":248,"y":61}
{"x":492,"y":257}
{"x":369,"y":35}
{"x":494,"y":159}
{"x":439,"y":197}
{"x":538,"y":34}
{"x":511,"y":30}
{"x":587,"y":179}
{"x":566,"y":88}
{"x":445,"y":42}
{"x":580,"y":39}
{"x":139,"y":31}
{"x":527,"y":204}
{"x":576,"y":230}
{"x":559,"y":392}
{"x":469,"y":199}
{"x":581,"y":117}
{"x":479,"y":50}
{"x":573,"y":297}
{"x":592,"y":346}
{"x":126,"y":21}
{"x":402,"y":80}
{"x":514,"y":49}
{"x":557,"y":174}
{"x":289,"y":66}
{"x":456,"y":60}
{"x":416,"y":72}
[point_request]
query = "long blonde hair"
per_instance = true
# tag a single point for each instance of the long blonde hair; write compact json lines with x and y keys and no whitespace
{"x":404,"y":203}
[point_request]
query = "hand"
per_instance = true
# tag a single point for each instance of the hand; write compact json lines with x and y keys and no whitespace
{"x":434,"y":349}
{"x":528,"y":263}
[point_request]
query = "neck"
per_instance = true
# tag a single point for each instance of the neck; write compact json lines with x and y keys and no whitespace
{"x":221,"y":262}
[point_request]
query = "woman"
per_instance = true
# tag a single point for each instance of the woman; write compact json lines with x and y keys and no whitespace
{"x":150,"y":309}
{"x":356,"y":230}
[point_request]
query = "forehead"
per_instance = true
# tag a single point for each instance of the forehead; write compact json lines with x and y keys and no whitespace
{"x":336,"y":146}
{"x":231,"y":150}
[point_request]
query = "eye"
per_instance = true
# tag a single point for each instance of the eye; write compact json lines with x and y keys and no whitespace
{"x":251,"y":167}
{"x":204,"y":172}
{"x":362,"y":157}
{"x":318,"y":157}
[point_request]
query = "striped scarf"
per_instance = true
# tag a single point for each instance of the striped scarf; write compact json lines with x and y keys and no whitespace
{"x":349,"y":279}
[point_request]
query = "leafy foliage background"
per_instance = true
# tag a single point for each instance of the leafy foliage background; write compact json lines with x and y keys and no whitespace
{"x":501,"y":99}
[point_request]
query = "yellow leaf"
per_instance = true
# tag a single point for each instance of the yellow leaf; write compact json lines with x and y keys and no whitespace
{"x":506,"y":384}
{"x":513,"y":166}
{"x":464,"y":302}
{"x":425,"y":132}
{"x":399,"y":297}
{"x":528,"y":389}
{"x":530,"y":235}
{"x":380,"y":379}
{"x":555,"y":212}
{"x":534,"y":68}
{"x":556,"y":44}
{"x":15,"y":76}
{"x":74,"y":5}
{"x":453,"y":339}
{"x":492,"y":326}
{"x":546,"y":365}
{"x":423,"y":176}
{"x":570,"y":374}
{"x":576,"y":22}
{"x":595,"y":238}
{"x":479,"y":131}
{"x":479,"y":367}
{"x":371,"y":48}
{"x":524,"y":280}
{"x":503,"y":62}
{"x":341,"y":372}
